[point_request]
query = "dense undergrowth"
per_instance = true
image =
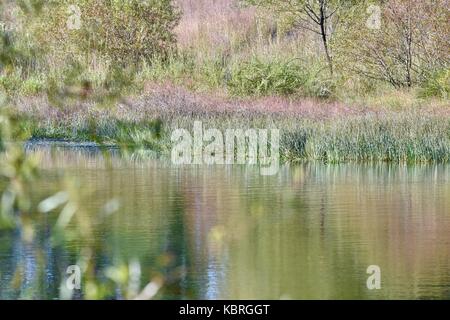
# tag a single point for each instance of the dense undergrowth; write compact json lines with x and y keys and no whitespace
{"x":398,"y":137}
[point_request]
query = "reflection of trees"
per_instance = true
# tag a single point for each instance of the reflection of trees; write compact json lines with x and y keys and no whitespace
{"x":339,"y":220}
{"x":32,"y":270}
{"x":203,"y":201}
{"x":309,"y":232}
{"x":25,"y":263}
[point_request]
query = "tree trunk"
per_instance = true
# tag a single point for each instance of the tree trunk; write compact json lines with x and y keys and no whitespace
{"x":323,"y":31}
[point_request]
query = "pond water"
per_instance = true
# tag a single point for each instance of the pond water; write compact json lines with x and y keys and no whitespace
{"x":226,"y":232}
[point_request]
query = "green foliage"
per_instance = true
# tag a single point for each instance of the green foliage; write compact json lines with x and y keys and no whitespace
{"x":281,"y":77}
{"x":258,"y":77}
{"x":408,"y":42}
{"x":174,"y":67}
{"x":124,"y":32}
{"x":317,"y":83}
{"x":32,"y":86}
{"x":403,"y":138}
{"x":437,"y":85}
{"x":9,"y":83}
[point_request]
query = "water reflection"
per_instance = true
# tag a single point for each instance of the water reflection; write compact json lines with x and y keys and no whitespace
{"x":309,"y":232}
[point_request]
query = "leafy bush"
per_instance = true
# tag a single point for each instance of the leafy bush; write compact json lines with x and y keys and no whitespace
{"x":437,"y":85}
{"x":317,"y":83}
{"x":126,"y":31}
{"x":9,"y":83}
{"x":411,"y":40}
{"x":281,"y":77}
{"x":257,"y":77}
{"x":32,"y":86}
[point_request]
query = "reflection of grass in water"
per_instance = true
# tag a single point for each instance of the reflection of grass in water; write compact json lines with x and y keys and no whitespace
{"x":259,"y":237}
{"x":67,"y":225}
{"x":341,"y":220}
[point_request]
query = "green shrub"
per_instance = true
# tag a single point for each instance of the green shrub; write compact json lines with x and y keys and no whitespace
{"x":10,"y":82}
{"x":174,"y":67}
{"x":257,"y":77}
{"x":281,"y":77}
{"x":32,"y":86}
{"x":124,"y":32}
{"x":437,"y":85}
{"x":317,"y":84}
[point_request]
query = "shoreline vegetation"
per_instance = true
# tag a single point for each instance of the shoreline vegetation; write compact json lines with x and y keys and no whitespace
{"x":354,"y":93}
{"x":310,"y":130}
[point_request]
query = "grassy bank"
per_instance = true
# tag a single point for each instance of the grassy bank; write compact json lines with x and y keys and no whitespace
{"x":311,"y":130}
{"x":403,"y":138}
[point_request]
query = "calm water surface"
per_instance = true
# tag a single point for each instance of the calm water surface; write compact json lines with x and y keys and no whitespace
{"x":226,"y":232}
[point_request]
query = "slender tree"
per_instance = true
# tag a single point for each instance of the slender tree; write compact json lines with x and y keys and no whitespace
{"x":317,"y":16}
{"x":410,"y":43}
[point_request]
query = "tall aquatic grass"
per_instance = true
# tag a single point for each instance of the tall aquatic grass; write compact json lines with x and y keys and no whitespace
{"x":372,"y":139}
{"x":344,"y":136}
{"x":399,"y":138}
